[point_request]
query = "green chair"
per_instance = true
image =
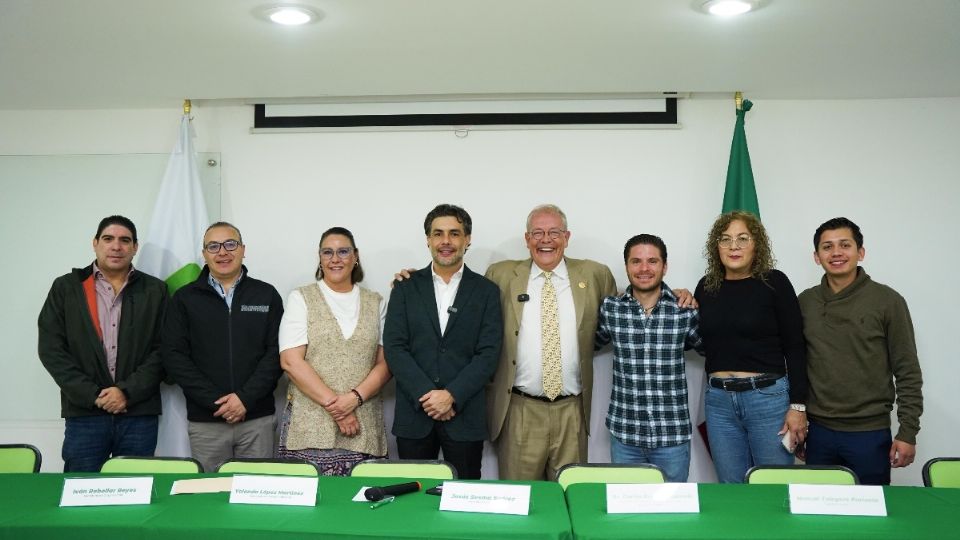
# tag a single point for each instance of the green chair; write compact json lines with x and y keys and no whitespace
{"x":942,"y":472}
{"x":609,"y":473}
{"x":151,"y":465}
{"x":281,"y":467}
{"x":801,"y":474}
{"x":19,"y":458}
{"x":405,"y":468}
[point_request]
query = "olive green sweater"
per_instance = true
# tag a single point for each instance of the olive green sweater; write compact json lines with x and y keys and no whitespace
{"x":861,"y":356}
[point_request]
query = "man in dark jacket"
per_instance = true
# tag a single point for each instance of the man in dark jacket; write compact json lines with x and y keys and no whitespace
{"x":441,"y":339}
{"x":99,"y":337}
{"x":220,"y":346}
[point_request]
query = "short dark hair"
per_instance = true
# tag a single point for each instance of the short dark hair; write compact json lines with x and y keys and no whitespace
{"x":646,"y":239}
{"x":838,"y":223}
{"x":225,"y":224}
{"x":116,"y":220}
{"x":356,"y":275}
{"x":448,"y":210}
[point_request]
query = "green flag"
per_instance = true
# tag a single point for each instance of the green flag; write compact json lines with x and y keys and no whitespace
{"x":740,"y":192}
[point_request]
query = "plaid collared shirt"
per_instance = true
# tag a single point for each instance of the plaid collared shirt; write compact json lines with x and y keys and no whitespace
{"x":648,"y":402}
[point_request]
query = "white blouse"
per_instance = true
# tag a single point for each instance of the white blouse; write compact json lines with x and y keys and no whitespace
{"x":345,"y":308}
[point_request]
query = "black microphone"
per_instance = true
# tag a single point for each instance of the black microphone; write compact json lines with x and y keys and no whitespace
{"x":523,"y":297}
{"x":377,"y":493}
{"x":451,"y":310}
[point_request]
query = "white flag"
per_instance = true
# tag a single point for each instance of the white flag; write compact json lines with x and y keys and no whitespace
{"x":171,"y":252}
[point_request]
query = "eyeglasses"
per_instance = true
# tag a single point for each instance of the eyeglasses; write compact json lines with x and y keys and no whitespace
{"x":728,"y":242}
{"x":554,"y":234}
{"x":342,"y":253}
{"x":229,"y":245}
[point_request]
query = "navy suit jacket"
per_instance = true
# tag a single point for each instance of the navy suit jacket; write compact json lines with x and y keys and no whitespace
{"x":461,"y":360}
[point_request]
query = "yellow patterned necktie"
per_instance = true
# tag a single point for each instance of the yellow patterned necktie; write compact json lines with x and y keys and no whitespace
{"x":550,"y":339}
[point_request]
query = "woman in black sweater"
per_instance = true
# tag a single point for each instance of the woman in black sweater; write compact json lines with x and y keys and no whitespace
{"x":756,"y":356}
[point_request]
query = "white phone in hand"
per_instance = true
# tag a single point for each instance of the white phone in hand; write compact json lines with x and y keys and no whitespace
{"x":788,"y":443}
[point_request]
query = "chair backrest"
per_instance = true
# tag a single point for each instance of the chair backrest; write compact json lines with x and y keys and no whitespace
{"x":19,"y":458}
{"x":609,"y":473}
{"x":942,"y":472}
{"x":151,"y":465}
{"x":405,"y":468}
{"x":282,"y":467}
{"x":801,"y":474}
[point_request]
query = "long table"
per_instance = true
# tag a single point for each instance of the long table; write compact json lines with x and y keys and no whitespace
{"x":29,"y":510}
{"x":737,"y":511}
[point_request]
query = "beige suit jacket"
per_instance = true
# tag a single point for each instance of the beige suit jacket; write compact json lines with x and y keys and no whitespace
{"x":590,"y":282}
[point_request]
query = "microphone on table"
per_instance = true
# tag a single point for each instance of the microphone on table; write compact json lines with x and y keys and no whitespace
{"x":378,"y":493}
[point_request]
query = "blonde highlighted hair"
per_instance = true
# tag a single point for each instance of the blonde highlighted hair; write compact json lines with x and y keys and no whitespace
{"x":763,"y":260}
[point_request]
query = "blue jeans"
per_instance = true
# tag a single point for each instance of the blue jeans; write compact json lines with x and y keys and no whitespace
{"x":742,"y":428}
{"x":866,"y":453}
{"x":674,"y":460}
{"x":88,"y":441}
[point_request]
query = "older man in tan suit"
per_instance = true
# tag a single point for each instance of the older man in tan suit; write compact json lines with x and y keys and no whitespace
{"x":539,"y":401}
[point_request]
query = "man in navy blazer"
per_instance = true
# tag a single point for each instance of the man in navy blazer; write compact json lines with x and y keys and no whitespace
{"x":442,"y":342}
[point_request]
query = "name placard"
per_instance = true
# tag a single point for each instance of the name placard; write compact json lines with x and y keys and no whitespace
{"x":109,"y":491}
{"x":671,"y":498}
{"x":279,"y":490}
{"x":485,"y":498}
{"x":837,"y":500}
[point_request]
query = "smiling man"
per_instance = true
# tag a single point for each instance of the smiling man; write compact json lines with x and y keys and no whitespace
{"x":220,"y":345}
{"x":648,"y":417}
{"x":99,"y":337}
{"x":441,"y":340}
{"x":540,"y":397}
{"x":861,"y":358}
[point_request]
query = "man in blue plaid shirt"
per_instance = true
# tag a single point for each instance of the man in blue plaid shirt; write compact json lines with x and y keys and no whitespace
{"x":648,"y":418}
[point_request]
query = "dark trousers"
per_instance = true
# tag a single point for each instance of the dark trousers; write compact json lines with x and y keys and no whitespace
{"x":465,"y":456}
{"x":866,"y":453}
{"x":88,"y":441}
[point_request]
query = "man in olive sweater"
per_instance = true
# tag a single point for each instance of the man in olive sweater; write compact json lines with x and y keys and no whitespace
{"x":861,"y":358}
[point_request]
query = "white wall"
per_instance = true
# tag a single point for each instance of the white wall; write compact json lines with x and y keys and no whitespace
{"x":890,"y":165}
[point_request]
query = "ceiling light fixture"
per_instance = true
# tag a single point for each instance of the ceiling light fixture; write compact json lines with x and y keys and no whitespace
{"x":728,"y":8}
{"x":289,"y":14}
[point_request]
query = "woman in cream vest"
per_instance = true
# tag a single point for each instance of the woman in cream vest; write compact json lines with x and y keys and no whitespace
{"x":330,"y":347}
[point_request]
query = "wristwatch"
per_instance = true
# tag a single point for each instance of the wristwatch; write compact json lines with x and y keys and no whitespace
{"x":799,"y":407}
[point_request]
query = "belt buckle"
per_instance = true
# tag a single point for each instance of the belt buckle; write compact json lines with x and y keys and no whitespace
{"x":724,"y":383}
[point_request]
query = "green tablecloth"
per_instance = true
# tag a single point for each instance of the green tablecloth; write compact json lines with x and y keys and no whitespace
{"x":738,"y":511}
{"x":29,"y":510}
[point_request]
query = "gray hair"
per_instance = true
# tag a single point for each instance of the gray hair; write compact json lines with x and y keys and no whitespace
{"x":547,"y":209}
{"x":225,"y":224}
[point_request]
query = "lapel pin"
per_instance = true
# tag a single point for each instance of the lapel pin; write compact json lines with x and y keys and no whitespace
{"x":582,"y":285}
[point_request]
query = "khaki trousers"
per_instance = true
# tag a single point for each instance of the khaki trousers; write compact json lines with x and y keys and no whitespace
{"x":212,"y":443}
{"x":539,"y":437}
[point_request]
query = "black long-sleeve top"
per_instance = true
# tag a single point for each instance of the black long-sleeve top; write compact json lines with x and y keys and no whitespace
{"x":755,"y":325}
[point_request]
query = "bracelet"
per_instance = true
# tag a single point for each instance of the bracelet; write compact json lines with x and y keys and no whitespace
{"x":359,"y":397}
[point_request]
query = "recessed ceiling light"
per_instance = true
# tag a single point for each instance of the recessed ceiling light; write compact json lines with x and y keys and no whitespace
{"x":728,"y":8}
{"x":289,"y":14}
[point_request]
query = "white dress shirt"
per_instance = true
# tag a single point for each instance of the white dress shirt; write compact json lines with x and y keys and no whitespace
{"x":529,"y":360}
{"x":445,"y":293}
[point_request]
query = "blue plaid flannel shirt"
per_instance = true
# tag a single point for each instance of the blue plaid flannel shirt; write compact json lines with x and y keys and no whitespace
{"x":648,"y":402}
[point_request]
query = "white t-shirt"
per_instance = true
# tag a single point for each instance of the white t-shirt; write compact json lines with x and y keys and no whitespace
{"x":345,"y":308}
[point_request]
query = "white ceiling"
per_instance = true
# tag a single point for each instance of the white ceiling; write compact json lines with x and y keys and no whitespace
{"x":142,"y":53}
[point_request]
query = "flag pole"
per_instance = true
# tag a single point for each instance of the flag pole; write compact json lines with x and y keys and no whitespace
{"x":186,"y":106}
{"x":737,"y":98}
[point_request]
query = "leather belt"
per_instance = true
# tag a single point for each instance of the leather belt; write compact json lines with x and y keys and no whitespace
{"x":734,"y":384}
{"x":519,"y":392}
